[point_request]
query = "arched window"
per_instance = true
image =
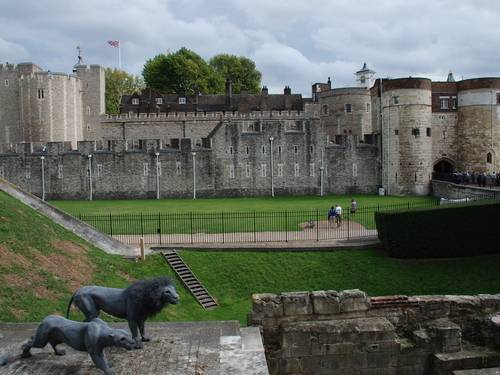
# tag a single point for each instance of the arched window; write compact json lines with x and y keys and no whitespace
{"x":488,"y":158}
{"x":325,"y":109}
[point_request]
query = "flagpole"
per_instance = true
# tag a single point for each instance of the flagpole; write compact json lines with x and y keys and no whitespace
{"x":119,"y":55}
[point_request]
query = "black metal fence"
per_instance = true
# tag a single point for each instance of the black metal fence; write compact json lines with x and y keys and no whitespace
{"x":253,"y":226}
{"x":464,"y":178}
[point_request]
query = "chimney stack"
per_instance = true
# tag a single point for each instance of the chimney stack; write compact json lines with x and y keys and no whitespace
{"x":287,"y":90}
{"x":265,"y":90}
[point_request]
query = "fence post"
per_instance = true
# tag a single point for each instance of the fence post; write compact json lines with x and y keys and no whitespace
{"x":348,"y":225}
{"x":142,"y":227}
{"x":191,"y":224}
{"x":159,"y":226}
{"x":286,"y":226}
{"x":110,"y":225}
{"x":143,"y":253}
{"x":223,"y":228}
{"x":254,"y":228}
{"x":317,"y":224}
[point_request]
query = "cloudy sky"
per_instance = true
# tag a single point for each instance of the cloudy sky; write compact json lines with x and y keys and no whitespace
{"x":293,"y":42}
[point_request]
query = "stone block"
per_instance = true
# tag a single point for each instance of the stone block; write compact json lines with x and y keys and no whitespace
{"x":319,"y":348}
{"x":296,"y":344}
{"x":490,"y":302}
{"x":446,"y":336}
{"x":326,"y":302}
{"x":464,"y":305}
{"x":296,"y":303}
{"x":266,"y":305}
{"x":432,"y":307}
{"x":354,"y":300}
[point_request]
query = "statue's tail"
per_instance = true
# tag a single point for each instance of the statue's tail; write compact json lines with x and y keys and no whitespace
{"x":69,"y":306}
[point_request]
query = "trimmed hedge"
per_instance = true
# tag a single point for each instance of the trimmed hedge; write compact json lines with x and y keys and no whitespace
{"x":447,"y":231}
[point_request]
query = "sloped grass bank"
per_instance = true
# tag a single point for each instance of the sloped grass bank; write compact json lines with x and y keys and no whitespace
{"x":41,"y":264}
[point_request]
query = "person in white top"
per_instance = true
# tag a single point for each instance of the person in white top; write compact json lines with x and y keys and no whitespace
{"x":338,"y":215}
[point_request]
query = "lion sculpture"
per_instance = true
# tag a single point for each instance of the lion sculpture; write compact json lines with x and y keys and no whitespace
{"x":91,"y":337}
{"x":138,"y":302}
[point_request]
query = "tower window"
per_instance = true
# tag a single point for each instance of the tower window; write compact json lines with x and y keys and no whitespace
{"x":296,"y":170}
{"x":279,"y":149}
{"x":280,"y":170}
{"x":247,"y":150}
{"x":247,"y":170}
{"x":488,"y":158}
{"x":367,"y":107}
{"x":41,"y":94}
{"x":415,"y":132}
{"x":263,"y":150}
{"x":396,"y":131}
{"x":428,"y":132}
{"x":178,"y":168}
{"x":325,"y":109}
{"x":135,"y":101}
{"x":6,"y":83}
{"x":498,"y":99}
{"x":296,"y":149}
{"x":60,"y":171}
{"x":159,"y":100}
{"x":231,"y":150}
{"x":444,"y":102}
{"x":263,"y":170}
{"x":395,"y":99}
{"x":231,"y":171}
{"x":454,"y":102}
{"x":348,"y":108}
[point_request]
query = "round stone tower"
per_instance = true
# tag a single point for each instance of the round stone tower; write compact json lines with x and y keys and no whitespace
{"x":478,"y":126}
{"x":50,"y":107}
{"x":406,"y":136}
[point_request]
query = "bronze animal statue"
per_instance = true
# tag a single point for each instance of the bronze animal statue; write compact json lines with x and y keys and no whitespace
{"x":91,"y":337}
{"x":138,"y":302}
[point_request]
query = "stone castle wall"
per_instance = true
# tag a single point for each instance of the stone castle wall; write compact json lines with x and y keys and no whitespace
{"x":407,"y":136}
{"x":478,"y":125}
{"x":347,"y":332}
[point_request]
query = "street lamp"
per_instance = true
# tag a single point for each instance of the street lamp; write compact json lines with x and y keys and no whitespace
{"x":271,"y":139}
{"x":42,"y":158}
{"x":322,"y":171}
{"x":157,"y":175}
{"x":90,"y":176}
{"x":194,"y":174}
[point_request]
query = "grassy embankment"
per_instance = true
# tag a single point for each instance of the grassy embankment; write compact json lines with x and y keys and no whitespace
{"x":41,"y":264}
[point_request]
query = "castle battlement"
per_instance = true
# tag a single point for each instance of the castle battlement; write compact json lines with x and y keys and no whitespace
{"x":47,"y":75}
{"x":86,"y":148}
{"x":206,"y":115}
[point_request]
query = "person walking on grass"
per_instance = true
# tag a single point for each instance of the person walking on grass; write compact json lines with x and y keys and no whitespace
{"x":354,"y":206}
{"x":338,"y":215}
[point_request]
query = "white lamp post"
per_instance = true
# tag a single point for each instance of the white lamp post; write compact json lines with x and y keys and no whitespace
{"x":157,"y":175}
{"x":90,"y":176}
{"x":271,"y":139}
{"x":322,"y":171}
{"x":42,"y":158}
{"x":194,"y":174}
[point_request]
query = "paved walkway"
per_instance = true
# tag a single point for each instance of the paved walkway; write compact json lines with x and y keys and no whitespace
{"x":313,"y":236}
{"x":201,"y":348}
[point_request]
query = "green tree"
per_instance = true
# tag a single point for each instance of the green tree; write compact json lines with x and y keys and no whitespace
{"x":240,"y":70}
{"x":182,"y":72}
{"x":119,"y":83}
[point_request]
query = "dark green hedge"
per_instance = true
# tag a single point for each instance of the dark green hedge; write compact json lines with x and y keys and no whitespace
{"x":447,"y":231}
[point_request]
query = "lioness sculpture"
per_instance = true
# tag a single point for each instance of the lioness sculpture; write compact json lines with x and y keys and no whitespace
{"x":89,"y":337}
{"x":138,"y":302}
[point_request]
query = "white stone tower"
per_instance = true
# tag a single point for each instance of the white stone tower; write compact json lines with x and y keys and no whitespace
{"x":365,"y":77}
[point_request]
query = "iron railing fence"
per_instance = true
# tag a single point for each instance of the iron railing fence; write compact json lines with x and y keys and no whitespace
{"x":248,"y":226}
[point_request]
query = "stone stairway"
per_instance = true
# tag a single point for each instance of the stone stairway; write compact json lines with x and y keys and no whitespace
{"x":189,"y":279}
{"x":198,"y":348}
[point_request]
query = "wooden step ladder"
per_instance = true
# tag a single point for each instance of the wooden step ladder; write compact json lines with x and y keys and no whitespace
{"x":189,"y":280}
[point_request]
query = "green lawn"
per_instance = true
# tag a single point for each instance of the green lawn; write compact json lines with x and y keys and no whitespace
{"x":226,"y":215}
{"x":135,"y":206}
{"x":41,"y":264}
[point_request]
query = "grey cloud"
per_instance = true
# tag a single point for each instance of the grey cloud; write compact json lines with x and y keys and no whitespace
{"x":293,"y":42}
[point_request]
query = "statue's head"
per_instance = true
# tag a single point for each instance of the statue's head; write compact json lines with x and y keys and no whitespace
{"x":122,"y":339}
{"x":169,"y":294}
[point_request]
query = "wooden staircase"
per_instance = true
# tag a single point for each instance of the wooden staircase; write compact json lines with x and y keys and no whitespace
{"x":189,"y":279}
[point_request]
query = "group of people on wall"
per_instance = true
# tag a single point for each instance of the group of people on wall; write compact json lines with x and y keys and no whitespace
{"x":479,"y":179}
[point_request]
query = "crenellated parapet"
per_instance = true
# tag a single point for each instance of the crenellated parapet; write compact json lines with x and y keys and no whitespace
{"x":185,"y":116}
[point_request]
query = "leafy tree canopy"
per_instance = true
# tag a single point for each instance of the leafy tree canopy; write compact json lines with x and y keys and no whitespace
{"x":182,"y":72}
{"x":119,"y":83}
{"x":240,"y":70}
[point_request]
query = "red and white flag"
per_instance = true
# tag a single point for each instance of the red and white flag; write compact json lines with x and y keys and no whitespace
{"x":114,"y":43}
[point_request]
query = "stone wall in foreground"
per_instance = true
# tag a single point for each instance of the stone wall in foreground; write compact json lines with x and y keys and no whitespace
{"x":347,"y":332}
